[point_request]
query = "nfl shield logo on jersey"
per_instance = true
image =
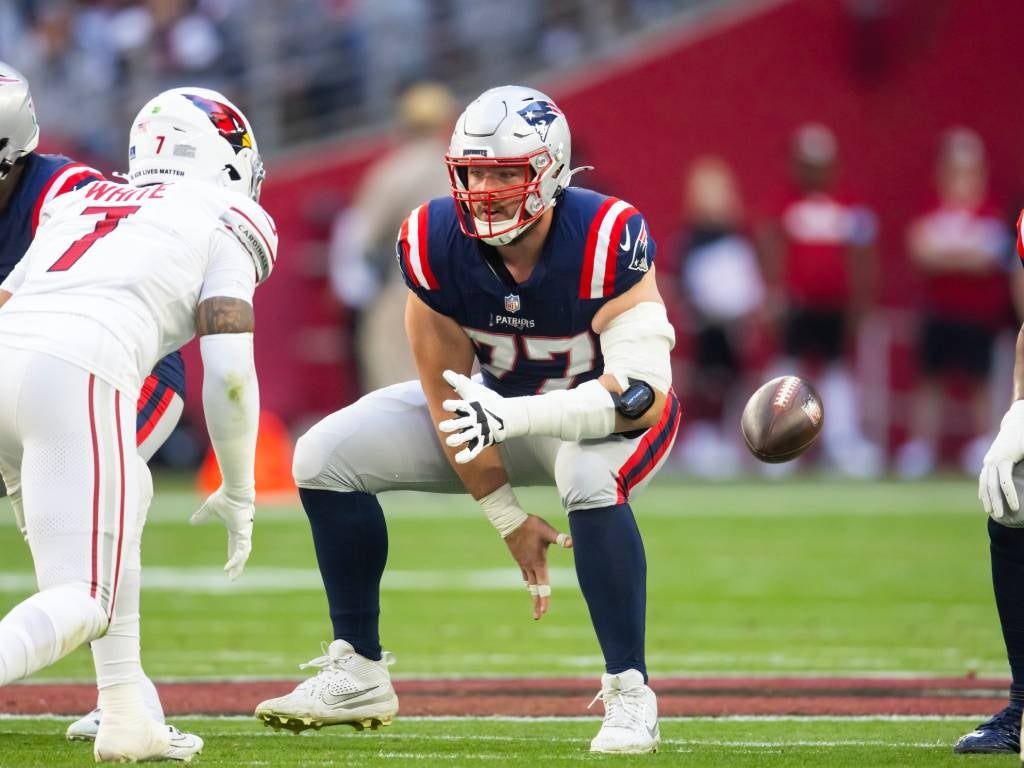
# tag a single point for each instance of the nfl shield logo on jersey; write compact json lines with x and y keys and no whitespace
{"x":512,"y":303}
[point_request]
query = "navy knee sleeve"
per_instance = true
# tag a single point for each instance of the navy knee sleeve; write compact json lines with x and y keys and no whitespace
{"x":612,"y":570}
{"x":351,"y":542}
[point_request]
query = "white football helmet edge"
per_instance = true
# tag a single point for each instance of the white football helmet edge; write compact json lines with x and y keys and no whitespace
{"x":19,"y":130}
{"x":195,"y":133}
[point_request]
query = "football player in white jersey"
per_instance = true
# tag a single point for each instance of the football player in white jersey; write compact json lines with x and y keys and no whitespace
{"x":28,"y":180}
{"x":118,"y":276}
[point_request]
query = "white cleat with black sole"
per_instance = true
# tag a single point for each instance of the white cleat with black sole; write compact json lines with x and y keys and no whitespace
{"x":349,"y":689}
{"x":630,"y":715}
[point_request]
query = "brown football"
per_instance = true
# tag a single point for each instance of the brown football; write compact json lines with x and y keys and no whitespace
{"x":782,"y":419}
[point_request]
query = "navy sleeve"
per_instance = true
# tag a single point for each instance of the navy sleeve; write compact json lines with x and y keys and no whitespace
{"x":635,"y":253}
{"x":417,"y":258}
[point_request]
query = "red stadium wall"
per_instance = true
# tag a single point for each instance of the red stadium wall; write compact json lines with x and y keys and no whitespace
{"x":736,"y":86}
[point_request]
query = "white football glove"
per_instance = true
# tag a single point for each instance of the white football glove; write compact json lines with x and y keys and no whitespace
{"x":996,"y":479}
{"x":483,"y":418}
{"x":237,"y":516}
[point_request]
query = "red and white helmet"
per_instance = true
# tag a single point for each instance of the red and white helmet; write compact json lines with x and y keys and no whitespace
{"x":19,"y":131}
{"x":510,"y":126}
{"x":196,"y":134}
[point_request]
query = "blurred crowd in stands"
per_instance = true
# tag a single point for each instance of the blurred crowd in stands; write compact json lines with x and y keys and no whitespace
{"x":301,"y":69}
{"x":791,"y":288}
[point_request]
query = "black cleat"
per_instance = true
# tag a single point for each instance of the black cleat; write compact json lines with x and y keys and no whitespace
{"x":1000,"y":735}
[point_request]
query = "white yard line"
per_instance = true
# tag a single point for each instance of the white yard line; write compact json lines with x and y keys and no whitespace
{"x":269,"y":579}
{"x":589,"y":718}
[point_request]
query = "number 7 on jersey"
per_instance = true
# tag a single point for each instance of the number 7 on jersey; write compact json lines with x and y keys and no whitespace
{"x":112,"y":215}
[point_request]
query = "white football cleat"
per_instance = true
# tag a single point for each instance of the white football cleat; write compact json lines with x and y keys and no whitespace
{"x":349,"y":689}
{"x":183,"y":746}
{"x":123,"y":740}
{"x":630,"y":715}
{"x":85,"y":728}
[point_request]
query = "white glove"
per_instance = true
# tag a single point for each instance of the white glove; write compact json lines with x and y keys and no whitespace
{"x":996,"y":479}
{"x":237,"y":516}
{"x":483,"y":417}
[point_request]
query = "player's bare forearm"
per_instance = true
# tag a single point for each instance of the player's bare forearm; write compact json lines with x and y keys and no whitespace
{"x":4,"y":296}
{"x":222,"y":314}
{"x":1018,"y":368}
{"x":438,"y":343}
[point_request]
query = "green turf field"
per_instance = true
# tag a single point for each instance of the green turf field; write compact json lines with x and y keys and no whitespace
{"x":796,"y":577}
{"x":688,"y":743}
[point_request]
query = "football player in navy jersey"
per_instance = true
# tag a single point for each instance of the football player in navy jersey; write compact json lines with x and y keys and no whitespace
{"x":551,"y":289}
{"x":28,"y":180}
{"x":1001,"y":489}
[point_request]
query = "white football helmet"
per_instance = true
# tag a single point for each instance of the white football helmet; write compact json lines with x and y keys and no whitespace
{"x":509,"y":126}
{"x":19,"y":131}
{"x":194,"y":133}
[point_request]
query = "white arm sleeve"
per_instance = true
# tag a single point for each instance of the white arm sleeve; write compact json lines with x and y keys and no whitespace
{"x":231,"y":402}
{"x":230,"y":272}
{"x":15,"y":278}
{"x":636,"y":345}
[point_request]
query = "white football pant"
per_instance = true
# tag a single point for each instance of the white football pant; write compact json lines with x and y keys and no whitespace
{"x":386,"y":441}
{"x":73,"y":437}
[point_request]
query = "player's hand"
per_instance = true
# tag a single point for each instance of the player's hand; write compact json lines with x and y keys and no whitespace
{"x":480,"y":417}
{"x":237,"y":516}
{"x":529,"y":546}
{"x":996,"y":480}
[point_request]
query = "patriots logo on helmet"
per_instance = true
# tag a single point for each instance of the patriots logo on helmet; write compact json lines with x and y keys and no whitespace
{"x":227,"y":121}
{"x":540,"y":115}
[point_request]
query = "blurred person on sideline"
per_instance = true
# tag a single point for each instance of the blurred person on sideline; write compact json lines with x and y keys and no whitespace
{"x":962,"y":249}
{"x":720,"y":285}
{"x":819,"y":259}
{"x":364,"y":274}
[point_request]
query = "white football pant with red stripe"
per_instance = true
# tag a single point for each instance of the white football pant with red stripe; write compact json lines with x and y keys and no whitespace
{"x":386,"y":441}
{"x":73,"y":436}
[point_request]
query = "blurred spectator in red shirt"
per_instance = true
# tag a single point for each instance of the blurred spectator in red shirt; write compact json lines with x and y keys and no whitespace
{"x":719,"y":284}
{"x":962,"y":249}
{"x":819,"y":258}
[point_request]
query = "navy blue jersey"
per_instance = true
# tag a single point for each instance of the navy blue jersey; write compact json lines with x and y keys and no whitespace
{"x":533,"y":336}
{"x":44,"y":178}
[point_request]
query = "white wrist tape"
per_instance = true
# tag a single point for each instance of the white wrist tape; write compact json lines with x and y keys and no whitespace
{"x":503,"y":510}
{"x":584,"y":412}
{"x":636,"y":345}
{"x":231,"y":403}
